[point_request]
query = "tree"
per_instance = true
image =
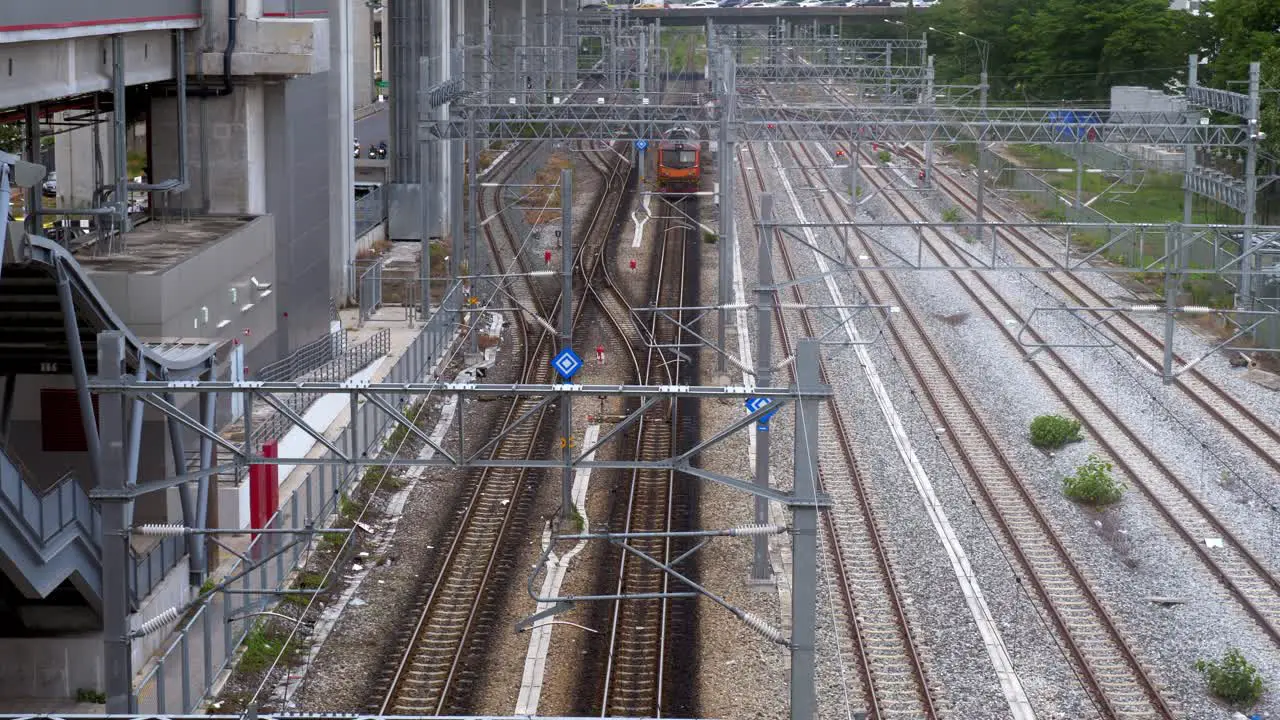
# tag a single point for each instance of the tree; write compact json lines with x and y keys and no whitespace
{"x":1245,"y":31}
{"x":11,"y":138}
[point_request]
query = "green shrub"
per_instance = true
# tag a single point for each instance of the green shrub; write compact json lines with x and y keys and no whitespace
{"x":1054,"y":431}
{"x":1234,"y":679}
{"x":884,"y":156}
{"x":709,"y":237}
{"x":89,"y":695}
{"x":1093,"y":484}
{"x":951,"y":214}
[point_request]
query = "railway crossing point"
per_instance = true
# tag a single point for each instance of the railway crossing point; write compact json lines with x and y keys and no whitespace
{"x":567,"y":363}
{"x":755,"y":403}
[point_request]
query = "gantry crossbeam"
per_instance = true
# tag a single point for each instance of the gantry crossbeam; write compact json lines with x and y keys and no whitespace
{"x":616,"y":120}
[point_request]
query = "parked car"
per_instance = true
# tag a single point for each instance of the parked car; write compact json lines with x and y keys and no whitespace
{"x":50,"y":186}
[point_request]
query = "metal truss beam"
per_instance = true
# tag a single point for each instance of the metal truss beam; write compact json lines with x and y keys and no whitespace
{"x":727,"y":38}
{"x":785,"y":71}
{"x":150,"y":387}
{"x":897,"y":124}
{"x":1233,"y":103}
{"x":1217,"y":185}
{"x":1223,"y":241}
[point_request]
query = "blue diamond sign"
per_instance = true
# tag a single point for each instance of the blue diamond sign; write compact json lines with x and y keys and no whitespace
{"x":567,"y":363}
{"x":755,"y":403}
{"x":641,"y":145}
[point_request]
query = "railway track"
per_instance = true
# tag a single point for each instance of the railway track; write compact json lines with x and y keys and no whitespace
{"x":643,"y":631}
{"x":437,"y":672}
{"x":1118,"y":683}
{"x":1258,"y":435}
{"x":892,"y":671}
{"x":635,"y":673}
{"x":1245,"y":576}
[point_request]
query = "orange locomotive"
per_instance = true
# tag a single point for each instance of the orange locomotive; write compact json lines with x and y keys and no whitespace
{"x":679,"y":162}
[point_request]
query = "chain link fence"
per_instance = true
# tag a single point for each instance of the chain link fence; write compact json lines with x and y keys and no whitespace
{"x":207,"y":636}
{"x":371,"y":210}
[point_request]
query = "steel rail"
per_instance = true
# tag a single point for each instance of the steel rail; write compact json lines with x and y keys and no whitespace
{"x":878,"y":618}
{"x":1114,"y":677}
{"x":1234,"y":416}
{"x":1255,"y":587}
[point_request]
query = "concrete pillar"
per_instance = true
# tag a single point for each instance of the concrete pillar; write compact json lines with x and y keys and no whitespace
{"x":229,"y":163}
{"x":361,"y":15}
{"x":342,"y":170}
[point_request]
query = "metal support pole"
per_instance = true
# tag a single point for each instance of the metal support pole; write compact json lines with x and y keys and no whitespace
{"x":1172,"y":238}
{"x":1250,"y":267}
{"x":546,"y":54}
{"x":1078,"y":205}
{"x":566,"y":338}
{"x":208,"y":405}
{"x":456,"y":243}
{"x":486,"y":61}
{"x":78,"y":370}
{"x":524,"y":51}
{"x":760,"y":570}
{"x":728,"y":234}
{"x":1189,"y":151}
{"x":117,"y":657}
{"x":178,"y":450}
{"x":804,"y":540}
{"x":473,"y":218}
{"x":34,"y":194}
{"x":982,"y":163}
{"x":120,"y":154}
{"x":928,"y":145}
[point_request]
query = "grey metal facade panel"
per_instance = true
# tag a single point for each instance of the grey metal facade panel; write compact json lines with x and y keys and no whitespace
{"x":294,"y":8}
{"x":298,"y":155}
{"x":18,"y":15}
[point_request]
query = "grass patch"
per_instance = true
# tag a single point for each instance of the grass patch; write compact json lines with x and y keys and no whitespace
{"x":306,"y":580}
{"x":1234,"y":679}
{"x":261,"y":648}
{"x":1156,"y":197}
{"x":578,"y":522}
{"x":1093,"y":484}
{"x":1054,"y":431}
{"x":884,"y":156}
{"x":951,"y":214}
{"x":709,"y":237}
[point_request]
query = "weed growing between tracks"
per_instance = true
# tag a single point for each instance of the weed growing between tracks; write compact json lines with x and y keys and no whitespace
{"x":1234,"y":679}
{"x":1093,"y":483}
{"x":1054,"y":431}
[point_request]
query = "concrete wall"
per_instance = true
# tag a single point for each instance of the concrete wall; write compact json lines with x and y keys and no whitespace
{"x":235,"y":141}
{"x":298,"y":148}
{"x":56,"y":667}
{"x":163,"y":304}
{"x":47,"y":70}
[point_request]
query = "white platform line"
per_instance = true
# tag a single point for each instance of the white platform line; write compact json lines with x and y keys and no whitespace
{"x":1010,"y":683}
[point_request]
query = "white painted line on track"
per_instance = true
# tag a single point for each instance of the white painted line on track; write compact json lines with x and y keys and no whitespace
{"x":535,"y":660}
{"x":640,"y":222}
{"x":1010,"y":683}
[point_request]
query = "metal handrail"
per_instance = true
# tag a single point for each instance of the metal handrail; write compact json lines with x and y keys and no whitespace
{"x":339,"y":368}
